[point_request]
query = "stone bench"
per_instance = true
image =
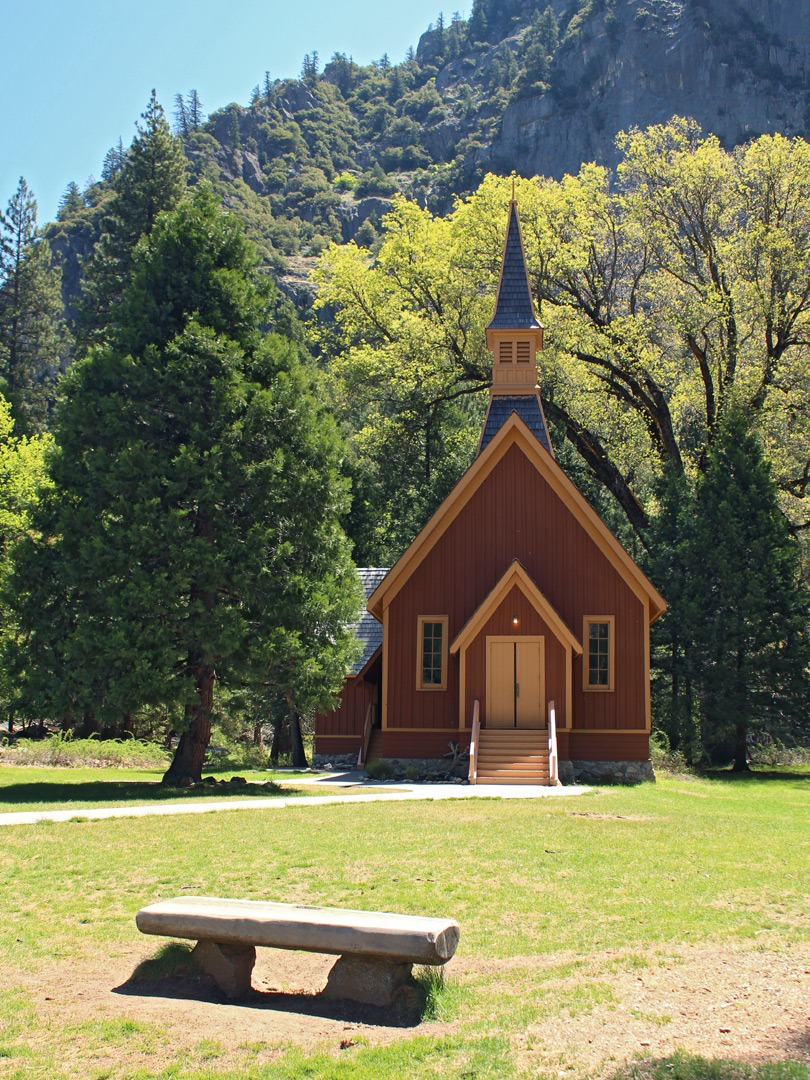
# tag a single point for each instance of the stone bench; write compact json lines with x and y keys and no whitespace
{"x":376,"y":949}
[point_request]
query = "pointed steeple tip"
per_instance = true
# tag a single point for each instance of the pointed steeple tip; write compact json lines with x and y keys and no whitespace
{"x":514,"y":309}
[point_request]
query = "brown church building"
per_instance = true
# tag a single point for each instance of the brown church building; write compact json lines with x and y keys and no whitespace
{"x":515,"y":626}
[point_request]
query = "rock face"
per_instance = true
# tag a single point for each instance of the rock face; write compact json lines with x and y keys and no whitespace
{"x":738,"y":67}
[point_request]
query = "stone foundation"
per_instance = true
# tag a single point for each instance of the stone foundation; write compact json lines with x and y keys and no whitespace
{"x":424,"y":768}
{"x":340,"y":762}
{"x":606,"y":772}
{"x":437,"y":769}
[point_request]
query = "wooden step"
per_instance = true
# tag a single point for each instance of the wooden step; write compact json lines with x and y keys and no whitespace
{"x":512,"y":766}
{"x":537,"y":781}
{"x":513,"y":733}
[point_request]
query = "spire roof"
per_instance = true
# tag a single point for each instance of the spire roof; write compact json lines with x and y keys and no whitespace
{"x":514,"y":309}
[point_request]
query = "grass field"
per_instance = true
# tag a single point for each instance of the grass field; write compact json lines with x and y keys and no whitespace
{"x":630,"y":933}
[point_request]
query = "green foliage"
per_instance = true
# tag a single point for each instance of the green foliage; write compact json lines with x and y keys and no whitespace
{"x":195,"y":496}
{"x":380,"y":769}
{"x":732,"y":651}
{"x":33,"y":339}
{"x":751,"y":649}
{"x":151,"y":179}
{"x":22,"y":476}
{"x":65,"y":751}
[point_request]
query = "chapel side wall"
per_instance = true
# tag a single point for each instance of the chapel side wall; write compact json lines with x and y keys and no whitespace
{"x":340,"y":730}
{"x":516,"y":514}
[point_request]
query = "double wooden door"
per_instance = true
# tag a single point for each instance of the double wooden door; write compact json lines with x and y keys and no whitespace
{"x":515,"y":682}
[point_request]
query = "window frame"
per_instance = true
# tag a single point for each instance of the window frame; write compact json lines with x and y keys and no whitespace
{"x":587,"y":622}
{"x":420,"y":651}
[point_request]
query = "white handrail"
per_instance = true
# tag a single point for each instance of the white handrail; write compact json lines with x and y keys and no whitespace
{"x":553,"y":773}
{"x":475,"y":738}
{"x":361,"y":755}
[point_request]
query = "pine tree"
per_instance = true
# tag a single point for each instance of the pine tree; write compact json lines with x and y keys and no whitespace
{"x":71,"y":202}
{"x":194,"y":112}
{"x":751,"y":650}
{"x":181,"y":127}
{"x":191,"y":537}
{"x":151,"y":180}
{"x":33,"y":339}
{"x":268,"y":87}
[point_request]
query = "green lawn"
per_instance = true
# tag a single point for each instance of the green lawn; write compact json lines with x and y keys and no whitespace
{"x":558,"y":900}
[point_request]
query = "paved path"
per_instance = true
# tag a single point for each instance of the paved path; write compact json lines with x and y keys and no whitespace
{"x":375,"y":793}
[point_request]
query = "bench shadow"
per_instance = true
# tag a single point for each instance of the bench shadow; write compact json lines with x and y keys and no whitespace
{"x":406,"y":1013}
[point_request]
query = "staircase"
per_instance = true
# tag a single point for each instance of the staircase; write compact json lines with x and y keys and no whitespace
{"x":513,"y":757}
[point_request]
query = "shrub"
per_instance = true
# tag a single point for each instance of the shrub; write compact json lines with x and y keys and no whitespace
{"x":64,"y":750}
{"x":380,"y":769}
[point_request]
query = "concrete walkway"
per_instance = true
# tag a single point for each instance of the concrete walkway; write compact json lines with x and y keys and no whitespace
{"x":334,"y":782}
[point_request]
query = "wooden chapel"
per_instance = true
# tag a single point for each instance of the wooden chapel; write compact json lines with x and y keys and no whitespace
{"x":515,"y":624}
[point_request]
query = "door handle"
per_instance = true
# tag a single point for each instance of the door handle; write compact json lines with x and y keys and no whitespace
{"x":517,"y":689}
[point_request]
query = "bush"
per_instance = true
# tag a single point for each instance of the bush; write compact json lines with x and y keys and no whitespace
{"x":380,"y":769}
{"x":64,"y":750}
{"x":663,"y":758}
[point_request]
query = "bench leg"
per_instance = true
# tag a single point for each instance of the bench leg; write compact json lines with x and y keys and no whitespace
{"x":230,"y":966}
{"x":366,"y":979}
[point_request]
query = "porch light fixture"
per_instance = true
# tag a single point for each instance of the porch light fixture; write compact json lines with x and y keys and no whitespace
{"x":514,"y":620}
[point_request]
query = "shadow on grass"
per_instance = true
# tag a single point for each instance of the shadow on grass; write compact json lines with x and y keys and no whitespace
{"x":123,"y":791}
{"x":171,"y":974}
{"x":761,"y":774}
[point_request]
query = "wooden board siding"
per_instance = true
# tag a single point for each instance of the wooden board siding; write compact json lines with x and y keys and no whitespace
{"x":515,"y":514}
{"x":500,"y":624}
{"x":605,"y":746}
{"x":343,"y":726}
{"x":420,"y":744}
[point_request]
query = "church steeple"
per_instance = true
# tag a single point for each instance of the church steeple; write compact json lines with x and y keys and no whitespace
{"x":515,"y":336}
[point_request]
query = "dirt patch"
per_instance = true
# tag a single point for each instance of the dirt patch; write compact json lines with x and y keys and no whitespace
{"x":712,"y":1001}
{"x":284,"y":1007}
{"x":611,"y":817}
{"x":715,"y":1002}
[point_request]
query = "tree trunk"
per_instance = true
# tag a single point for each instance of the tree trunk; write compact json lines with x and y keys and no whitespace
{"x":257,"y":733}
{"x":90,"y":725}
{"x":741,"y":750}
{"x":280,"y":746}
{"x":187,"y":763}
{"x":128,"y":725}
{"x":299,"y":757}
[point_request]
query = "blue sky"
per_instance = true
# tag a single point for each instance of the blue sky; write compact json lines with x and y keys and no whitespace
{"x":76,"y":76}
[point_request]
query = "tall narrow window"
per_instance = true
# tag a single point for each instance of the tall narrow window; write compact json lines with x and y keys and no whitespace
{"x":431,"y":652}
{"x":524,"y":352}
{"x":598,"y":662}
{"x":505,"y":352}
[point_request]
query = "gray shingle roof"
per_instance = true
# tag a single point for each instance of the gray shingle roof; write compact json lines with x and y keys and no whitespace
{"x":514,"y":309}
{"x":527,"y":406}
{"x":368,"y":629}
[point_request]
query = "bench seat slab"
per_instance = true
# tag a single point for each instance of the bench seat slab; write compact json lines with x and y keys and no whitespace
{"x":403,"y":939}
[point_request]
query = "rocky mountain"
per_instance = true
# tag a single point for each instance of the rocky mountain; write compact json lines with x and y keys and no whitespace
{"x":522,"y":85}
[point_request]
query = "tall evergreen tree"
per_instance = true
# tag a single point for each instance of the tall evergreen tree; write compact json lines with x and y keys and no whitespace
{"x":151,"y":179}
{"x":33,"y":342}
{"x":194,"y":111}
{"x":180,"y":116}
{"x":191,"y":537}
{"x":751,"y":651}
